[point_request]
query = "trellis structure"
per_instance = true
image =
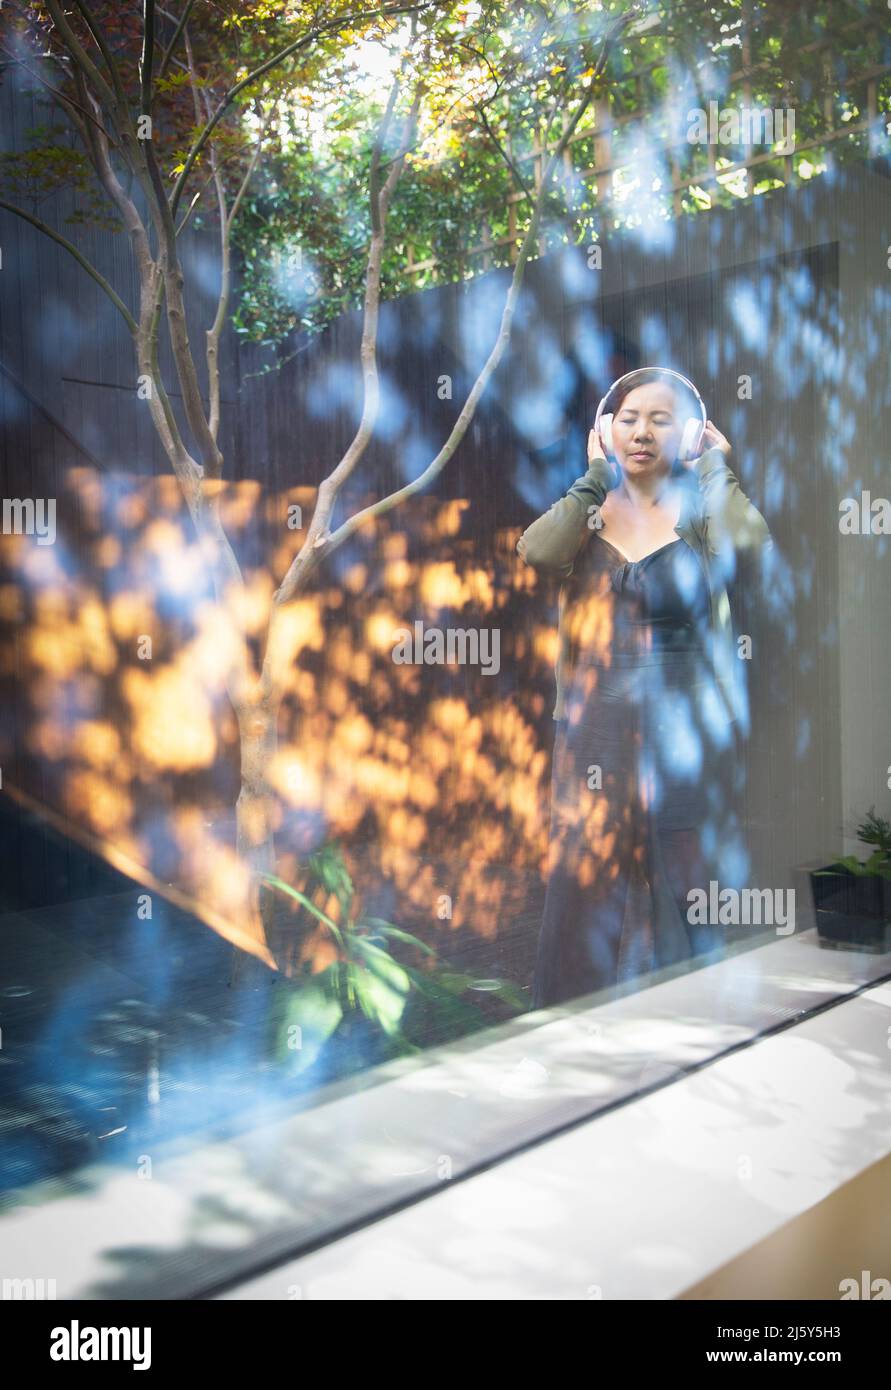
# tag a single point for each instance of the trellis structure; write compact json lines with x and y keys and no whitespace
{"x":698,"y":174}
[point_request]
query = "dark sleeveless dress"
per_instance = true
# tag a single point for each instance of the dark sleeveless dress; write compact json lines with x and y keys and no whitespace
{"x":645,"y":774}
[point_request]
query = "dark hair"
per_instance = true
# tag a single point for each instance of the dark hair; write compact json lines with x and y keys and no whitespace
{"x":643,"y":377}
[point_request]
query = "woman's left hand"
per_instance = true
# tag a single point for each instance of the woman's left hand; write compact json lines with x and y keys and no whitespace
{"x":712,"y":438}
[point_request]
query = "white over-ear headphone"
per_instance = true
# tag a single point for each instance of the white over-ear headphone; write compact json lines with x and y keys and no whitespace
{"x":691,"y":437}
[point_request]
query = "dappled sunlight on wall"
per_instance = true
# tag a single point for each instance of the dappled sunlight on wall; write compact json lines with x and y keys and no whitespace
{"x":434,"y":776}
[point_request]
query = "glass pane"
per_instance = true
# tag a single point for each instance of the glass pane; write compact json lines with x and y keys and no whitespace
{"x":412,"y":666}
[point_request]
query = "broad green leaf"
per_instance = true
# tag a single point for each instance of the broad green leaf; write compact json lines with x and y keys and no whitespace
{"x":301,"y":898}
{"x":315,"y":1011}
{"x":381,"y":999}
{"x":383,"y":928}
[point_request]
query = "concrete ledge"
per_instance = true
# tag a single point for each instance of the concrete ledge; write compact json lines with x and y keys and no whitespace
{"x":213,"y":1213}
{"x":700,"y":1176}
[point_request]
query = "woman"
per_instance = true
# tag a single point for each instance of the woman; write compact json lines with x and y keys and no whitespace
{"x":650,"y":693}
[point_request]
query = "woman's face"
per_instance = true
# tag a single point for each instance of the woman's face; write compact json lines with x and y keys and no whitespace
{"x":647,"y":430}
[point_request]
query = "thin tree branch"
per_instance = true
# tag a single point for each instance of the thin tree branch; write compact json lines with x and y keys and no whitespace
{"x":116,"y":100}
{"x":159,"y":280}
{"x":254,"y":160}
{"x":196,"y":199}
{"x":380,"y":199}
{"x":177,"y":33}
{"x":226,"y":220}
{"x":193,"y":84}
{"x":97,"y":145}
{"x":69,"y":104}
{"x":504,"y":154}
{"x":213,"y":333}
{"x":326,"y":168}
{"x":184,"y":361}
{"x":186,"y":470}
{"x":80,"y":57}
{"x":340,"y":22}
{"x":319,"y":542}
{"x":99,"y":39}
{"x":147,"y":56}
{"x":78,"y":256}
{"x":151,"y":283}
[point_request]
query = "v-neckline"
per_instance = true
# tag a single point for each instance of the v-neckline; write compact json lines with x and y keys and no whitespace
{"x":640,"y":558}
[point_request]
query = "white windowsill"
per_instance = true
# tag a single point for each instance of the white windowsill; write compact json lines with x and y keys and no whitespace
{"x":527,"y":1226}
{"x":661,"y":1195}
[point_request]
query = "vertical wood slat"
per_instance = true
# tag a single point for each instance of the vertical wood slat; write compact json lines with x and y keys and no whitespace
{"x":746,"y":41}
{"x":872,"y":114}
{"x":539,"y":155}
{"x":828,"y":102}
{"x":512,"y":231}
{"x":714,"y":188}
{"x":603,"y":156}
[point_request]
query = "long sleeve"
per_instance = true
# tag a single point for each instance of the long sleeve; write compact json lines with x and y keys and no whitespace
{"x":552,"y":542}
{"x":733,"y":521}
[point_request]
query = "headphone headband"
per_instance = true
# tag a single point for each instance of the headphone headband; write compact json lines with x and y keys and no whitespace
{"x":691,"y":438}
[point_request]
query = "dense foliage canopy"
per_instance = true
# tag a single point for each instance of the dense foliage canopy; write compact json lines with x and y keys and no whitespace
{"x":495,"y":81}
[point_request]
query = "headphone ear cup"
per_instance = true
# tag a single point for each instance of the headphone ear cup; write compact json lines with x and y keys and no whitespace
{"x":606,"y":434}
{"x":691,"y":438}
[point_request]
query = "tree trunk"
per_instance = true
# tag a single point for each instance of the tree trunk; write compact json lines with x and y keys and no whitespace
{"x":255,"y":809}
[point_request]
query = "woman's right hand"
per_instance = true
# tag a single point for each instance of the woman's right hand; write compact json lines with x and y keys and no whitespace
{"x":597,"y":451}
{"x":595,"y":446}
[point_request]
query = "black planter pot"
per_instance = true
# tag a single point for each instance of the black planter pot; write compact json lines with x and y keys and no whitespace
{"x":852,"y":912}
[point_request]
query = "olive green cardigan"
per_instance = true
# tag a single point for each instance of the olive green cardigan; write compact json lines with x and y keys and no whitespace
{"x":717,"y":521}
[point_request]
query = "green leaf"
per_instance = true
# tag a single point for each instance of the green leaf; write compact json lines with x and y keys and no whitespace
{"x":381,"y":989}
{"x":315,"y":1010}
{"x":383,"y":928}
{"x":875,"y":830}
{"x":381,"y":962}
{"x":460,"y":1016}
{"x":328,"y":866}
{"x":876,"y":866}
{"x":301,"y":898}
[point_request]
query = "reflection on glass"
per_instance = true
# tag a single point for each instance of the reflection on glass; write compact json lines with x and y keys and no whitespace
{"x":298,"y":368}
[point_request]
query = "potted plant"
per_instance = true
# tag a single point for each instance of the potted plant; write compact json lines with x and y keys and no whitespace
{"x":852,"y":897}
